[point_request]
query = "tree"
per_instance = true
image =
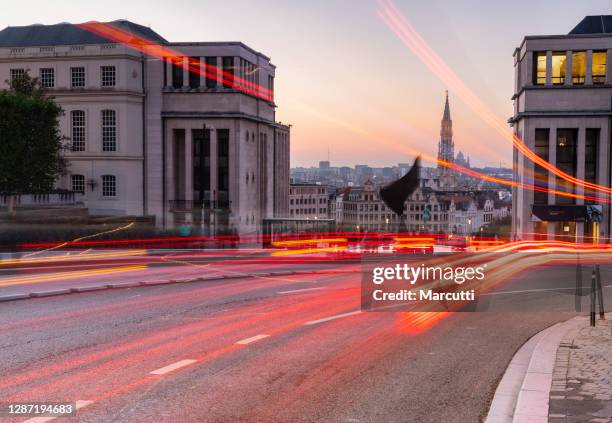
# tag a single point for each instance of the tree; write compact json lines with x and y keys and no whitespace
{"x":30,"y":139}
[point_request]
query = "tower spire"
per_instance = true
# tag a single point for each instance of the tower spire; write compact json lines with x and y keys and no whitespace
{"x":446,"y":115}
{"x":446,"y":147}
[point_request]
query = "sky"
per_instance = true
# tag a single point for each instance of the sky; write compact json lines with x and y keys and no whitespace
{"x":344,"y":81}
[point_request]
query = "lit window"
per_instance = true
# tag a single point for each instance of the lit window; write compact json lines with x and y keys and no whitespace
{"x":539,"y":68}
{"x":558,"y":67}
{"x":17,"y":74}
{"x":109,"y":186}
{"x":578,"y":67}
{"x":77,"y":77}
{"x":78,"y":183}
{"x":77,"y":130}
{"x":599,"y":67}
{"x":47,"y":77}
{"x":108,"y":76}
{"x":109,"y":130}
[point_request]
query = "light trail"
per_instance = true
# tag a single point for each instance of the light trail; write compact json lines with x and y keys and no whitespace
{"x":68,"y":275}
{"x":402,"y":28}
{"x":171,"y":56}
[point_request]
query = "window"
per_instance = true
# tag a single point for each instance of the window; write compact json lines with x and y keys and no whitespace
{"x":228,"y":72}
{"x":77,"y":130}
{"x":109,"y":130}
{"x":223,"y":166}
{"x":566,"y":161}
{"x":17,"y":74}
{"x":540,"y":175}
{"x":77,"y":77}
{"x":109,"y":76}
{"x":78,"y":183}
{"x":590,"y":155}
{"x":270,"y":88}
{"x":211,"y":72}
{"x":558,"y":67}
{"x":109,"y":186}
{"x":539,"y":68}
{"x":578,"y":67}
{"x":598,"y":69}
{"x":177,"y":72}
{"x":47,"y":77}
{"x":194,"y":72}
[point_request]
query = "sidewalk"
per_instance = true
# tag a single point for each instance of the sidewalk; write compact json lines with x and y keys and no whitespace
{"x":582,"y":378}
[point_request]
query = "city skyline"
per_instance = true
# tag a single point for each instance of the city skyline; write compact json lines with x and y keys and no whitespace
{"x":398,"y":104}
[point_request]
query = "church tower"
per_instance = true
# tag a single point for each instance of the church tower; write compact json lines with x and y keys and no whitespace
{"x":446,"y":150}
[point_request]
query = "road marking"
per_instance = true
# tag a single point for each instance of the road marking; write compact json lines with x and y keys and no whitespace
{"x":300,"y":290}
{"x":251,"y":339}
{"x":172,"y":367}
{"x":538,"y":290}
{"x":79,"y":404}
{"x":337,"y":316}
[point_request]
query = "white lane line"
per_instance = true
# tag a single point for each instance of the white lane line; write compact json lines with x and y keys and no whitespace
{"x":251,"y":339}
{"x":337,"y":316}
{"x":538,"y":290}
{"x":79,"y":404}
{"x":300,"y":290}
{"x":171,"y":367}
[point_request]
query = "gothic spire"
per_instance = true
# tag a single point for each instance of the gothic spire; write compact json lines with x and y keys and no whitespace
{"x":446,"y":115}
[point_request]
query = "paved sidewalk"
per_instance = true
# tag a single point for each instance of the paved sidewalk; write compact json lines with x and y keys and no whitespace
{"x":581,"y":389}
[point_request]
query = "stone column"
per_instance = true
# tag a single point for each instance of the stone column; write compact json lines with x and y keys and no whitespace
{"x":529,"y":77}
{"x":568,"y":67}
{"x":168,"y":71}
{"x":214,"y":191}
{"x":552,"y":159}
{"x":219,"y":66}
{"x":608,"y":63}
{"x":201,"y":74}
{"x":589,"y":67}
{"x":580,"y":162}
{"x":549,"y":67}
{"x":188,"y":165}
{"x":170,"y":183}
{"x":186,"y":72}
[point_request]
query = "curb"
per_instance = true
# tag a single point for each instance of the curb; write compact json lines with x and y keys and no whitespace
{"x":140,"y":284}
{"x":523,"y":393}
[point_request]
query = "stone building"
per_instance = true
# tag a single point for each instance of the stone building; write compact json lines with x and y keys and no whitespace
{"x":562,"y":112}
{"x":183,"y":138}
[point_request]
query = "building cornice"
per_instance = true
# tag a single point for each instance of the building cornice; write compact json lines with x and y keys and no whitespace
{"x":560,"y":113}
{"x":221,"y":115}
{"x":559,"y":87}
{"x":560,"y":37}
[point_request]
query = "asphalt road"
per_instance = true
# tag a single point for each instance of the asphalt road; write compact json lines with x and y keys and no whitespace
{"x":266,"y":349}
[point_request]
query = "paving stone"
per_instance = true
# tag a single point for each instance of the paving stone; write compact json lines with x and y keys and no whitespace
{"x":583,"y":367}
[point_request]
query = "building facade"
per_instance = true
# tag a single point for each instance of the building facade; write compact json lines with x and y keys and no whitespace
{"x":308,"y":201}
{"x":562,"y":112}
{"x":159,"y":136}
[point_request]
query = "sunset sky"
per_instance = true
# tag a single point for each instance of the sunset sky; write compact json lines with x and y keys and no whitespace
{"x":344,"y":80}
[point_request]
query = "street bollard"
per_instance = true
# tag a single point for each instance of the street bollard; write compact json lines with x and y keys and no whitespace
{"x":602,"y":312}
{"x":593,"y":294}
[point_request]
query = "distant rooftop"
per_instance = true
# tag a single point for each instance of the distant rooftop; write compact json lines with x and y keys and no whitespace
{"x":599,"y":24}
{"x":69,"y":34}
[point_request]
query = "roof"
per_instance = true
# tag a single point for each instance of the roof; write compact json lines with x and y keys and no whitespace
{"x":68,"y":34}
{"x":598,"y":24}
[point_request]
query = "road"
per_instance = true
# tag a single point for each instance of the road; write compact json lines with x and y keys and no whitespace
{"x":266,"y":349}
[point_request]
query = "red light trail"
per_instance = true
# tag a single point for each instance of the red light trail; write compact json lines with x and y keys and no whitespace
{"x":402,"y":28}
